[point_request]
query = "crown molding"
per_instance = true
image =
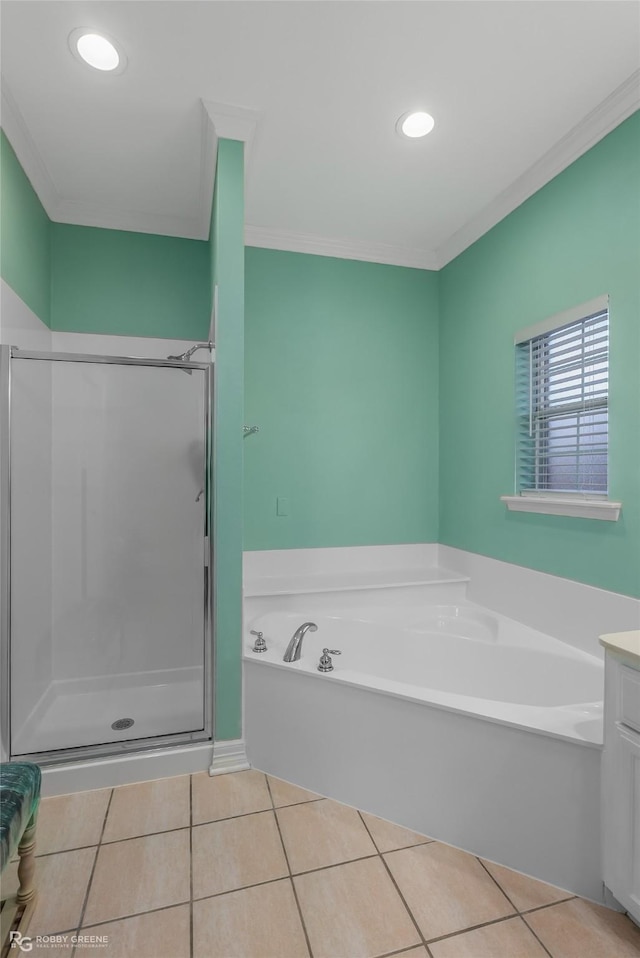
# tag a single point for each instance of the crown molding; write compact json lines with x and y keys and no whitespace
{"x":239,"y":123}
{"x":77,"y":213}
{"x":341,"y":249}
{"x":17,"y":132}
{"x":130,"y":221}
{"x":208,"y":162}
{"x":233,"y":122}
{"x":616,"y":108}
{"x":226,"y":122}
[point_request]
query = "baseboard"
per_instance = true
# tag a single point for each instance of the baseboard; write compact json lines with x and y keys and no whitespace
{"x":125,"y":770}
{"x":229,"y":757}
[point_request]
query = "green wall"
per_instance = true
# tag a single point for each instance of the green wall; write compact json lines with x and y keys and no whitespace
{"x":341,"y":366}
{"x":25,"y":260}
{"x":576,"y":238}
{"x":227,"y":272}
{"x":131,"y":284}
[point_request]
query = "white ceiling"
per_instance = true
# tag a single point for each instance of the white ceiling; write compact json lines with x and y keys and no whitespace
{"x":518,"y":89}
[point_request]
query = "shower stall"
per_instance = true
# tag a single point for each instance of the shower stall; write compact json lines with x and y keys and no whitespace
{"x":106,"y":572}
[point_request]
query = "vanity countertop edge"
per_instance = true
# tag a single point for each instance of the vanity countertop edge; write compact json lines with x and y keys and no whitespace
{"x":624,"y":644}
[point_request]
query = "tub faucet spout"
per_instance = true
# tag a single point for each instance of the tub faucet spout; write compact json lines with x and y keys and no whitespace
{"x":295,"y":645}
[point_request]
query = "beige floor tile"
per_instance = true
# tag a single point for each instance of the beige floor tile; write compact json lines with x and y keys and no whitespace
{"x":260,"y":922}
{"x":71,"y":821}
{"x":509,"y":939}
{"x":420,"y":952}
{"x":159,"y":934}
{"x":322,"y":833}
{"x":446,"y":889}
{"x":139,"y":875}
{"x":523,"y":891}
{"x":388,"y":837}
{"x":236,"y":852}
{"x":61,"y":883}
{"x":354,"y":910}
{"x":580,"y":929}
{"x":284,"y":793}
{"x":149,"y":807}
{"x":224,"y":796}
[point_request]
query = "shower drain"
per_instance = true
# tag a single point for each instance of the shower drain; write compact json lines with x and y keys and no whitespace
{"x":119,"y":724}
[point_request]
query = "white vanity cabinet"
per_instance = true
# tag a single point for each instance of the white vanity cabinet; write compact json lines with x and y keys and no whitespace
{"x":621,"y":770}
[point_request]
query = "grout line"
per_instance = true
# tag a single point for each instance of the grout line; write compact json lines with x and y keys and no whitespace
{"x":550,"y":904}
{"x":483,"y":924}
{"x":286,"y":858}
{"x":134,"y":838}
{"x":463,"y":931}
{"x":536,"y":936}
{"x":395,"y":884}
{"x":232,"y":891}
{"x":324,"y":868}
{"x":191,"y":866}
{"x":62,"y":851}
{"x":405,"y":951}
{"x":369,"y":833}
{"x":273,"y":804}
{"x":496,"y":882}
{"x":95,"y":860}
{"x":229,"y":818}
{"x":135,"y":914}
{"x":518,"y":912}
{"x":307,"y":801}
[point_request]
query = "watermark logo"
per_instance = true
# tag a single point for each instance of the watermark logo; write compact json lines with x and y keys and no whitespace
{"x":20,"y":941}
{"x":24,"y":943}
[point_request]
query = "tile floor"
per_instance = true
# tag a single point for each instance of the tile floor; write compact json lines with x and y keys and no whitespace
{"x":247,"y":866}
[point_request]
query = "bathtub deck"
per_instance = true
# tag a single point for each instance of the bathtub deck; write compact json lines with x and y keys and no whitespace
{"x":317,"y":582}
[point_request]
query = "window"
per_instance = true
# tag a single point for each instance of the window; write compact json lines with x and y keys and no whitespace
{"x":562,"y":383}
{"x":562,"y":391}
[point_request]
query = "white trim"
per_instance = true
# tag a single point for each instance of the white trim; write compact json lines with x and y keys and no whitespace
{"x":130,"y":221}
{"x":229,"y":757}
{"x":293,"y":242}
{"x":572,"y":315}
{"x":240,"y":123}
{"x":560,"y":506}
{"x":208,"y":162}
{"x":61,"y":210}
{"x":233,"y":122}
{"x":29,"y":157}
{"x":609,"y":114}
{"x":125,"y":769}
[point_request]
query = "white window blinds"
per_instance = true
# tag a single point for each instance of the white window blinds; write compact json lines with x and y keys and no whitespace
{"x":562,"y":386}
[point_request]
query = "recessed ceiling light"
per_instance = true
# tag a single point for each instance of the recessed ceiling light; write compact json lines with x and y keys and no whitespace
{"x":97,"y":50}
{"x":415,"y":124}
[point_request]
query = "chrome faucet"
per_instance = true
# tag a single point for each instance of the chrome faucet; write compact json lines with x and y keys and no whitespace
{"x":295,"y":645}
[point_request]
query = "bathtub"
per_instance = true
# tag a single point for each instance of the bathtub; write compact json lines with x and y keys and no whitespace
{"x":457,"y":657}
{"x":450,"y":719}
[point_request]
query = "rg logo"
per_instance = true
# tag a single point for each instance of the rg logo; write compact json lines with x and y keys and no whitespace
{"x":22,"y":941}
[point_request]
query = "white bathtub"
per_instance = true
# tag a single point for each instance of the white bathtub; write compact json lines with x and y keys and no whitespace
{"x":457,"y":657}
{"x":449,"y":719}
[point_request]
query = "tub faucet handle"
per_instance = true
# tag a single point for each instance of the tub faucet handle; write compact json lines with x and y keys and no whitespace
{"x":259,"y":645}
{"x":325,"y":664}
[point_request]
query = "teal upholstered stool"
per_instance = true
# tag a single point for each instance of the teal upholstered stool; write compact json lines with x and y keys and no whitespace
{"x":19,"y":799}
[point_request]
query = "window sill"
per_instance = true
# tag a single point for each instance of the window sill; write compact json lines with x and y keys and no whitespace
{"x":557,"y":506}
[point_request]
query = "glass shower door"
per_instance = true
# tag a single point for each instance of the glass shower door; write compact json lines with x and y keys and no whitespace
{"x":108,"y":552}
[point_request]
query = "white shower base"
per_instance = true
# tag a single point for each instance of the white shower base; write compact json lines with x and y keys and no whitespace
{"x":80,"y":712}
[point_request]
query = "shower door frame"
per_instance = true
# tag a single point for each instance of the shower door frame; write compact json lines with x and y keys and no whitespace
{"x":108,"y":749}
